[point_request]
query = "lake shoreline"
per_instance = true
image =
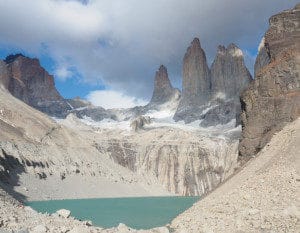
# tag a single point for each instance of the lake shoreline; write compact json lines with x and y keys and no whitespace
{"x":137,"y":213}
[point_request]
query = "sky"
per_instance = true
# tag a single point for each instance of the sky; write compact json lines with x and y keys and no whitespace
{"x":108,"y":51}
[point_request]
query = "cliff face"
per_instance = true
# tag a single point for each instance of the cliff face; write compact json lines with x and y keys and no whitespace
{"x":163,"y":90}
{"x":229,"y":74}
{"x":25,"y":79}
{"x":195,"y":83}
{"x":185,"y":163}
{"x":212,"y":95}
{"x":273,"y":99}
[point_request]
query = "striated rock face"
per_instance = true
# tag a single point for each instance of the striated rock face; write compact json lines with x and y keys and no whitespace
{"x":163,"y":90}
{"x":195,"y":83}
{"x":273,"y":99}
{"x":229,"y":74}
{"x":184,"y":162}
{"x":28,"y":81}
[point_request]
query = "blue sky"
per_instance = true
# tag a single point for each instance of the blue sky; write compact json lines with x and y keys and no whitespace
{"x":113,"y":48}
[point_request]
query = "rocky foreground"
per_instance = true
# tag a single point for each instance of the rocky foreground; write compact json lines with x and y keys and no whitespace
{"x":263,"y":197}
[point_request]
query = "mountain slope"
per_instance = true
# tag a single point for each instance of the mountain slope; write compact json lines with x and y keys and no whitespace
{"x":262,"y":197}
{"x":36,"y":152}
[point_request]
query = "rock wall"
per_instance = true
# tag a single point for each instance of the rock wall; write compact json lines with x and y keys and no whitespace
{"x":163,"y":91}
{"x":229,"y":74}
{"x":25,"y":79}
{"x":195,"y":83}
{"x":273,"y":99}
{"x":212,"y":95}
{"x":183,"y":162}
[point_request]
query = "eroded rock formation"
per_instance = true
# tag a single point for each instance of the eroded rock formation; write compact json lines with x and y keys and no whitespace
{"x":183,"y":162}
{"x":273,"y":99}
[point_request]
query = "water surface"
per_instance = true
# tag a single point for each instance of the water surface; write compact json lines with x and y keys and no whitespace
{"x":136,"y":212}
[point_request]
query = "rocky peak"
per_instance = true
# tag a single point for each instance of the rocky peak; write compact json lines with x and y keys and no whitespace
{"x":196,"y":80}
{"x":195,"y":83}
{"x":163,"y":90}
{"x":11,"y":58}
{"x":229,"y":74}
{"x":28,"y":81}
{"x":234,"y":50}
{"x":162,"y":81}
{"x":273,"y":98}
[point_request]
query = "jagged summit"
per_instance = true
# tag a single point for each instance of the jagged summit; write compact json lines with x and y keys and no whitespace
{"x":202,"y":86}
{"x":229,"y":74}
{"x":11,"y":58}
{"x":163,"y":89}
{"x":195,"y":82}
{"x":28,"y":81}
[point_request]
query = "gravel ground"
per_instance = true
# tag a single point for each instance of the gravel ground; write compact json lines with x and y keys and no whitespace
{"x":263,"y":197}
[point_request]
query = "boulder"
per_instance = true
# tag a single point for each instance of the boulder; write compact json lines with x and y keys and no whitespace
{"x":64,"y":213}
{"x":39,"y":229}
{"x":139,"y":123}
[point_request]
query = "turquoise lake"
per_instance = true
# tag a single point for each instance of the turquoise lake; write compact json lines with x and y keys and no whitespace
{"x":138,"y":213}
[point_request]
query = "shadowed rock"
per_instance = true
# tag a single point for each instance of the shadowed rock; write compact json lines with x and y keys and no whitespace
{"x":25,"y":79}
{"x":273,"y":99}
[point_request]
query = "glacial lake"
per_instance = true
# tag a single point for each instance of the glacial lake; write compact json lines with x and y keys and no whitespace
{"x":135,"y":212}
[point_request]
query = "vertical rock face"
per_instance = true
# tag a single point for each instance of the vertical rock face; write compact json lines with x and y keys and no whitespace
{"x":28,"y":81}
{"x":263,"y":57}
{"x":273,"y":99}
{"x":196,"y":80}
{"x":229,"y":74}
{"x":212,"y":95}
{"x":182,"y":162}
{"x":195,"y":83}
{"x":163,"y":90}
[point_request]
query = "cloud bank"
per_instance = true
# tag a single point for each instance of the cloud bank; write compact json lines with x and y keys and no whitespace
{"x":112,"y":99}
{"x":121,"y":43}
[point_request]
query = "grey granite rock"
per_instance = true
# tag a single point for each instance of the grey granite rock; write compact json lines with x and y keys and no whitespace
{"x":163,"y":90}
{"x":229,"y":74}
{"x":195,"y":84}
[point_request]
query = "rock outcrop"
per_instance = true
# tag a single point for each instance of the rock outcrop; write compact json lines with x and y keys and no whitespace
{"x":195,"y":83}
{"x":229,"y":75}
{"x":183,"y":162}
{"x":212,"y":95}
{"x":163,"y":91}
{"x":25,"y":79}
{"x":139,"y":123}
{"x":273,"y":99}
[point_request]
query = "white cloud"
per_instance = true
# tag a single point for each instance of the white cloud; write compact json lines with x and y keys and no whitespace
{"x":63,"y":73}
{"x":112,"y":99}
{"x":122,"y":42}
